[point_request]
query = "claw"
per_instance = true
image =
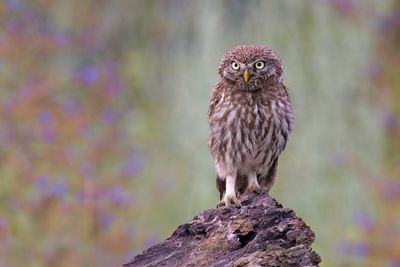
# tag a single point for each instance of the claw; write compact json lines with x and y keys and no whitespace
{"x":228,"y":200}
{"x":253,"y":185}
{"x":221,"y":204}
{"x":254,"y":188}
{"x":235,"y":202}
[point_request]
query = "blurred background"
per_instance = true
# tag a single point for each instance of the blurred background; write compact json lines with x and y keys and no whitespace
{"x":103,"y":132}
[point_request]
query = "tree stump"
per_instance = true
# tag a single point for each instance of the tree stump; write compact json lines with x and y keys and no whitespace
{"x":259,"y":233}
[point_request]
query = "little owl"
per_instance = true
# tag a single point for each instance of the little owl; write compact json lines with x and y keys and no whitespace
{"x":250,"y":119}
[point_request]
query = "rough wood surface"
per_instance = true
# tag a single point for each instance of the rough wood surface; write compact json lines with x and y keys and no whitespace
{"x":259,"y":233}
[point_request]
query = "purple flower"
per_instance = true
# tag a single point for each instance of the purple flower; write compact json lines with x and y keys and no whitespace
{"x":345,"y":6}
{"x":114,"y":81}
{"x":119,"y":196}
{"x":12,"y":26}
{"x":388,"y":119}
{"x":45,"y":117}
{"x":395,"y":18}
{"x":392,"y":190}
{"x":361,"y":249}
{"x":6,"y":135}
{"x":48,"y":134}
{"x":3,"y":223}
{"x":57,"y":189}
{"x":27,"y":89}
{"x":133,"y":165}
{"x":13,"y":5}
{"x":61,"y":39}
{"x":109,"y":115}
{"x":374,"y":70}
{"x":394,"y":263}
{"x":90,"y":74}
{"x":42,"y":182}
{"x":106,"y":219}
{"x":60,"y":189}
{"x":80,"y":196}
{"x":364,"y":220}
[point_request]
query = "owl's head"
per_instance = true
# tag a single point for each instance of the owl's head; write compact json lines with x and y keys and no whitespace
{"x":250,"y":67}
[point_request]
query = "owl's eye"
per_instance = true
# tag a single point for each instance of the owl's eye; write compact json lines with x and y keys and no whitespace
{"x":260,"y":65}
{"x":235,"y":65}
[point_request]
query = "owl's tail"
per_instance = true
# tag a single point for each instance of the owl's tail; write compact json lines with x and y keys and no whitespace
{"x":269,"y":180}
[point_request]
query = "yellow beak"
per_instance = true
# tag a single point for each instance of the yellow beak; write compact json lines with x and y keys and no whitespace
{"x":246,"y":75}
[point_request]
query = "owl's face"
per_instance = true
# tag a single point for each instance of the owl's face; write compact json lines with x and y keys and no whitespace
{"x":250,"y":67}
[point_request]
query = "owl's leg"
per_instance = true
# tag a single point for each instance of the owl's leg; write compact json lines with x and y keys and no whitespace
{"x":252,"y":185}
{"x":229,"y":197}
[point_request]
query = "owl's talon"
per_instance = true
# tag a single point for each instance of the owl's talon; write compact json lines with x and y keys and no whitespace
{"x":236,"y":202}
{"x":254,"y":188}
{"x":221,"y":204}
{"x":228,"y":201}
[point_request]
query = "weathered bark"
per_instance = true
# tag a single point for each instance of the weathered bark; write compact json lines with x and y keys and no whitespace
{"x":260,"y":233}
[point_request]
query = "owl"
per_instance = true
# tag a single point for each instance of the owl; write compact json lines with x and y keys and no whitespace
{"x":250,"y":119}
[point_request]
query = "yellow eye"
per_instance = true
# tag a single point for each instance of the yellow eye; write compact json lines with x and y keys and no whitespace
{"x":260,"y":64}
{"x":235,"y":65}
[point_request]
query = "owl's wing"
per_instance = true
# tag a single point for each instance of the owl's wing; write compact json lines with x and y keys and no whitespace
{"x":215,"y":98}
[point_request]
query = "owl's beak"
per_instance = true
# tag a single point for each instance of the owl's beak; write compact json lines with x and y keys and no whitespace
{"x":246,"y":76}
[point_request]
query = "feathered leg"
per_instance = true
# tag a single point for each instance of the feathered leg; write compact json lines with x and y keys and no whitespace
{"x":252,"y":184}
{"x":229,"y":196}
